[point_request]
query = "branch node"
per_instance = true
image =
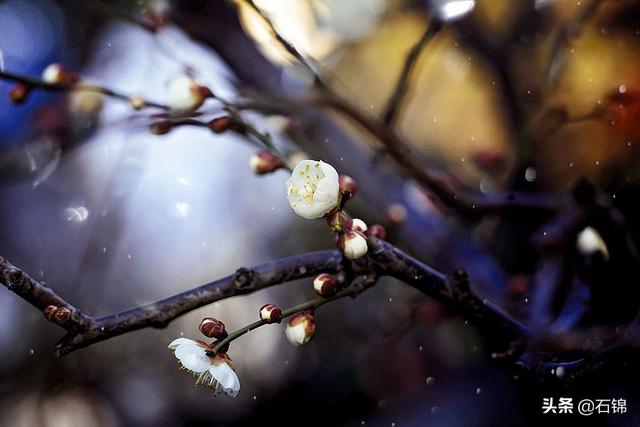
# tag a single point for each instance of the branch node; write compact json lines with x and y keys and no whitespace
{"x":244,"y":280}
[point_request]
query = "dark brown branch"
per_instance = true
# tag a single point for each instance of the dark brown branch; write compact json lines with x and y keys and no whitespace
{"x":84,"y":330}
{"x":402,"y":85}
{"x":383,"y":259}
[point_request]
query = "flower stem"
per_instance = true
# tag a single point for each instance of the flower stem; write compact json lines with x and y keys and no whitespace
{"x":361,"y":285}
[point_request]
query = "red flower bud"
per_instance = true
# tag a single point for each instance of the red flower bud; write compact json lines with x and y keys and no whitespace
{"x":161,"y":128}
{"x":225,"y":123}
{"x":270,"y":313}
{"x":264,"y":162}
{"x":377,"y":231}
{"x":19,"y":93}
{"x":348,"y":186}
{"x":213,"y":328}
{"x":396,"y":214}
{"x":325,"y":284}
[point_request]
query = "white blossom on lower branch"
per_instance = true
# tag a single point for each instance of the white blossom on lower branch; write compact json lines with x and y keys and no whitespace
{"x":216,"y":372}
{"x":313,"y":189}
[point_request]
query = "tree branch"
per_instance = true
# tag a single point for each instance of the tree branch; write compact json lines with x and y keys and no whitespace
{"x":81,"y":87}
{"x":402,"y":85}
{"x":383,"y":259}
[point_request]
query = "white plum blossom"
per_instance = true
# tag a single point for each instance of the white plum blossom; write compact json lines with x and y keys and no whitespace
{"x":214,"y":371}
{"x":313,"y":189}
{"x":590,"y":241}
{"x":185,"y":94}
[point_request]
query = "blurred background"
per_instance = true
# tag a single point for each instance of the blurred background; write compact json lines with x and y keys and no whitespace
{"x":111,"y":216}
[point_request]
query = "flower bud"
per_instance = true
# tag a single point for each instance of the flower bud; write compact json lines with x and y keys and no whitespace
{"x":225,"y":123}
{"x":396,"y":214}
{"x":300,"y":328}
{"x":264,"y":162}
{"x":161,"y":128}
{"x":57,"y":74}
{"x":213,"y":328}
{"x":358,"y":225}
{"x":19,"y":93}
{"x":337,"y":221}
{"x":325,"y":284}
{"x":137,"y":102}
{"x":590,"y":241}
{"x":185,"y":94}
{"x":56,"y":314}
{"x":352,"y":244}
{"x":377,"y":231}
{"x":348,"y":186}
{"x":270,"y":313}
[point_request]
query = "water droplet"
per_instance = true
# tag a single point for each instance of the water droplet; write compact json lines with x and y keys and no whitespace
{"x":530,"y":174}
{"x":303,"y":270}
{"x":32,"y":351}
{"x":430,"y":381}
{"x":76,"y":213}
{"x":478,"y":390}
{"x":560,"y":372}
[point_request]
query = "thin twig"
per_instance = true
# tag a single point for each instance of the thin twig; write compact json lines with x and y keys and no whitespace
{"x":402,"y":85}
{"x":351,"y":291}
{"x":80,"y":87}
